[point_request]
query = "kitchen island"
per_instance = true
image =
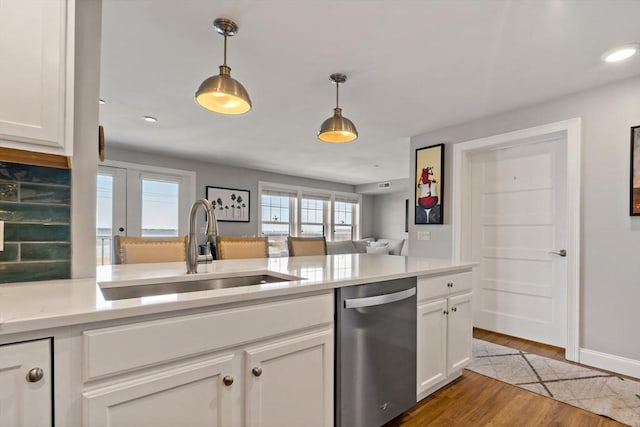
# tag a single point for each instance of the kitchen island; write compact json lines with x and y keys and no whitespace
{"x":216,"y":357}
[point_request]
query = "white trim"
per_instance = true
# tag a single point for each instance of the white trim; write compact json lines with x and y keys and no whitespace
{"x":460,"y":195}
{"x":610,"y":362}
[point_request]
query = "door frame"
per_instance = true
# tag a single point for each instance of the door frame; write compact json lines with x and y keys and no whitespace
{"x":461,"y":199}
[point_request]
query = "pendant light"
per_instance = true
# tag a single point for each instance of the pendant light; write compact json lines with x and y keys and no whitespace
{"x":337,"y":129}
{"x":222,"y":93}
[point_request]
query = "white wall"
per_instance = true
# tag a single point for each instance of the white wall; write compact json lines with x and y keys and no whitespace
{"x":388,"y":215}
{"x":85,"y":144}
{"x":226,"y":176}
{"x":610,"y":271}
{"x":368,"y":214}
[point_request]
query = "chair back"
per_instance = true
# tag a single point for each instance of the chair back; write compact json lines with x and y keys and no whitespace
{"x":303,"y":246}
{"x":139,"y":250}
{"x":234,"y":247}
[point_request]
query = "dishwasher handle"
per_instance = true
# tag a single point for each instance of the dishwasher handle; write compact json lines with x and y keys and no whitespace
{"x":379,"y":299}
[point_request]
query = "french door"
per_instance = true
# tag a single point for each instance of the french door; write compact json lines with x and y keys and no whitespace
{"x":136,"y":200}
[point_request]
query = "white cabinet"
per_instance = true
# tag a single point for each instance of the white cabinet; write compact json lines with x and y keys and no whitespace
{"x":36,"y":87}
{"x":192,"y":395}
{"x":444,"y":330}
{"x":289,"y":382}
{"x":431,"y":344}
{"x":268,"y":364}
{"x":26,"y":384}
{"x":459,"y":333}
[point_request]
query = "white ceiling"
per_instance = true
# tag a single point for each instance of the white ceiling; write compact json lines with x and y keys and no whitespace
{"x":412,"y":66}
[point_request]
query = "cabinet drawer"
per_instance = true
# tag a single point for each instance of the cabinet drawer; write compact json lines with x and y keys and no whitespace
{"x":120,"y":349}
{"x":439,"y":286}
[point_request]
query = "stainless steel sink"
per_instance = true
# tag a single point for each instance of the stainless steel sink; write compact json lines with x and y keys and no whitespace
{"x":118,"y":292}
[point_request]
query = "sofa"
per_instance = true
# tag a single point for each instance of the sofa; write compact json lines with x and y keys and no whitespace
{"x":369,"y":245}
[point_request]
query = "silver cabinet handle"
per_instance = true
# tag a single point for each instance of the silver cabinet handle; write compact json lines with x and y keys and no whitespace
{"x":379,"y":299}
{"x":256,"y":372}
{"x":34,"y":375}
{"x":227,"y":380}
{"x":561,"y":252}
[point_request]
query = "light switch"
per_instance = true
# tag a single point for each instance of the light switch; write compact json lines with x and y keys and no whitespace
{"x":424,"y":235}
{"x":1,"y":236}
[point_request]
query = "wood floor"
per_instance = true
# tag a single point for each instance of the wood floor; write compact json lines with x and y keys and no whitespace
{"x":476,"y":400}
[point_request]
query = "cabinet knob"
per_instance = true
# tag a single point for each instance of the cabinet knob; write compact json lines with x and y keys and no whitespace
{"x":256,"y":372}
{"x":454,"y":309}
{"x":445,"y":312}
{"x":34,"y":375}
{"x":227,"y":380}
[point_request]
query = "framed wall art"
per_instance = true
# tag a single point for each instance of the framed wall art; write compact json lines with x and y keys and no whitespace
{"x":230,"y":204}
{"x":429,"y":185}
{"x":634,"y":205}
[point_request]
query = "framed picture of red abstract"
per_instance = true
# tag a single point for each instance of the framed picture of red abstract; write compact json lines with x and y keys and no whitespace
{"x":634,"y":206}
{"x":429,"y":185}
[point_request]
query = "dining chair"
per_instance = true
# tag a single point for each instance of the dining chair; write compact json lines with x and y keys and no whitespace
{"x":234,"y":247}
{"x":139,"y":250}
{"x":302,"y":246}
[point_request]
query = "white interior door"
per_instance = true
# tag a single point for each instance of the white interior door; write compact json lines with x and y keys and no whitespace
{"x":518,"y":207}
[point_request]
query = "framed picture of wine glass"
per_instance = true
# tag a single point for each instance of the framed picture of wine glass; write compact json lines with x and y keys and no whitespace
{"x":634,"y":206}
{"x":229,"y":204}
{"x":429,"y":185}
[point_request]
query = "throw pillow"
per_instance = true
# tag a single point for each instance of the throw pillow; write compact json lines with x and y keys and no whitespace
{"x":378,"y":250}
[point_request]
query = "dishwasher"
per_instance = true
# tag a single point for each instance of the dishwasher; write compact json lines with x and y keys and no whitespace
{"x":375,"y":352}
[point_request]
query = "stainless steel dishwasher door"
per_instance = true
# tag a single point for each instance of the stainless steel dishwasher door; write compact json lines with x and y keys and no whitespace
{"x":375,"y":352}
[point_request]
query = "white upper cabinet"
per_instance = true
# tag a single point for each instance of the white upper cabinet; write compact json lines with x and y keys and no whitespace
{"x":37,"y":74}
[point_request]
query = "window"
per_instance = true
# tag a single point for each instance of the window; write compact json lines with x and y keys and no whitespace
{"x":104,"y":219}
{"x":312,"y":217}
{"x":292,"y":211}
{"x":344,"y":213}
{"x":159,"y":208}
{"x":275,"y":220}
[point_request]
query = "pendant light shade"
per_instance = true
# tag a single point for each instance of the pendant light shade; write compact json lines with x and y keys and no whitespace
{"x":222,"y":93}
{"x":337,"y":129}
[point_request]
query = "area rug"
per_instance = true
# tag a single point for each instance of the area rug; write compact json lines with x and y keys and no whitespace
{"x":599,"y":392}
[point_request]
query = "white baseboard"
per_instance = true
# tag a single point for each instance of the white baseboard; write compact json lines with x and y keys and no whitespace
{"x":610,"y":362}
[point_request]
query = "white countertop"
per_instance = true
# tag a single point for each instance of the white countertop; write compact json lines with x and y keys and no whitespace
{"x":39,"y":305}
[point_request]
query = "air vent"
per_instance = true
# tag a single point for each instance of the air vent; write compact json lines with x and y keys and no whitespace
{"x":384,"y":185}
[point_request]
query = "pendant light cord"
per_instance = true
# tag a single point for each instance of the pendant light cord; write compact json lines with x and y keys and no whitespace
{"x":337,"y":85}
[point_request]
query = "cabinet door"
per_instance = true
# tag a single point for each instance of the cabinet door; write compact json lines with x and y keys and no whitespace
{"x":25,"y":402}
{"x":290,"y":382}
{"x":37,"y":74}
{"x":431,"y":344}
{"x":460,"y":332}
{"x":193,"y":395}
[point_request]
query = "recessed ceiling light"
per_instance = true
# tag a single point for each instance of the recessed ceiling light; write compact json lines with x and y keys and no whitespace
{"x":101,"y":101}
{"x":620,"y":53}
{"x":150,"y":119}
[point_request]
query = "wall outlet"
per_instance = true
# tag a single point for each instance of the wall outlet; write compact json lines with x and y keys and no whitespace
{"x":1,"y":236}
{"x":424,"y":235}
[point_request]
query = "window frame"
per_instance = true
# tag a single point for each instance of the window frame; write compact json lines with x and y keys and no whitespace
{"x":329,"y":198}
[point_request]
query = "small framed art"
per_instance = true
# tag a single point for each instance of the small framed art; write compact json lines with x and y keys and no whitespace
{"x":429,"y":184}
{"x":230,"y":204}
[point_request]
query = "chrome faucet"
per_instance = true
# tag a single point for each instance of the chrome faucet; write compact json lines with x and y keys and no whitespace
{"x":212,"y":232}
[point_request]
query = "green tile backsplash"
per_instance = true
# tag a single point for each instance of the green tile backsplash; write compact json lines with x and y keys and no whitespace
{"x":35,"y":205}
